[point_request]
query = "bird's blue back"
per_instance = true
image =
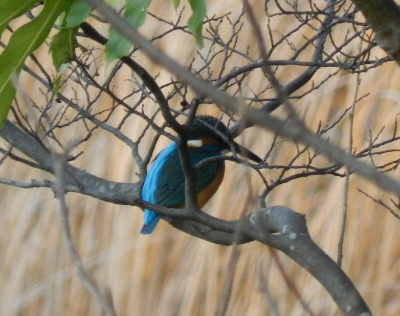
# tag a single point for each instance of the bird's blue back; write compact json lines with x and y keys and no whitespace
{"x":165,"y":182}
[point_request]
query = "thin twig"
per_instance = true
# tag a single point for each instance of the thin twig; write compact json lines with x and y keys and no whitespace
{"x":348,"y":174}
{"x":59,"y":161}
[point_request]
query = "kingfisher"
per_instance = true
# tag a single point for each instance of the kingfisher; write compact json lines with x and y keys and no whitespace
{"x":164,"y":184}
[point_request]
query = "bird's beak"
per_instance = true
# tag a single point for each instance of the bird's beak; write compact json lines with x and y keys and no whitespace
{"x":246,"y":153}
{"x":198,"y":143}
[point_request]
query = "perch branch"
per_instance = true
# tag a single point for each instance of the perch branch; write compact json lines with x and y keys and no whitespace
{"x":286,"y":231}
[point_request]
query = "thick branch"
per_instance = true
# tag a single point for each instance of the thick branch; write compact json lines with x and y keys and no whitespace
{"x":286,"y":230}
{"x":76,"y":180}
{"x":195,"y":223}
{"x":277,"y":226}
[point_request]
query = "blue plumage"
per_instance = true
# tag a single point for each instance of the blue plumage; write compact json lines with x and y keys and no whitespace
{"x":165,"y":182}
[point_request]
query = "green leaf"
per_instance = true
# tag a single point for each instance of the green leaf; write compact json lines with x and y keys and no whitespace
{"x":135,"y":14}
{"x":11,"y":9}
{"x":116,"y":47}
{"x":22,"y":43}
{"x":7,"y":95}
{"x":175,"y":3}
{"x":78,"y":13}
{"x":195,"y":24}
{"x":136,"y":11}
{"x":62,"y":46}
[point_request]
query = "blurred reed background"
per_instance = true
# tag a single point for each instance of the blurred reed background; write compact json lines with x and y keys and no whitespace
{"x":170,"y":273}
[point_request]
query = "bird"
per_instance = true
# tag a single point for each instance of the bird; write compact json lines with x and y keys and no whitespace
{"x":164,"y":184}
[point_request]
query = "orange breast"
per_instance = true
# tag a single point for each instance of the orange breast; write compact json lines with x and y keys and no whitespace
{"x":204,"y":196}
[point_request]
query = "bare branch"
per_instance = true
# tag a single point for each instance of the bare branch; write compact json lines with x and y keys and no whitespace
{"x":286,"y":230}
{"x":59,"y":189}
{"x":296,"y":133}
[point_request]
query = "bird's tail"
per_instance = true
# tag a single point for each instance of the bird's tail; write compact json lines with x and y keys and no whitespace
{"x":150,"y":222}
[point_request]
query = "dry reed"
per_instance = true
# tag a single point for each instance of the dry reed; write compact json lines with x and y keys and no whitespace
{"x":170,"y":273}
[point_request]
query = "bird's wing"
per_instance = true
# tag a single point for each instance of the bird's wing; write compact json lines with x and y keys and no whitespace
{"x":165,"y":182}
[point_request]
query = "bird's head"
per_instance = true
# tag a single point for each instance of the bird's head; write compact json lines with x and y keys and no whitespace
{"x":207,"y":130}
